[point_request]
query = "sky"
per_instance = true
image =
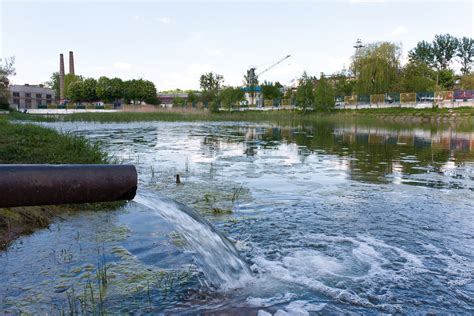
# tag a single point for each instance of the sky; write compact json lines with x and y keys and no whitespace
{"x":173,"y":43}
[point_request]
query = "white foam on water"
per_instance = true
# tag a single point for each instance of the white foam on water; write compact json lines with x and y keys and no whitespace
{"x":304,"y":307}
{"x":367,"y":264}
{"x":270,"y":301}
{"x":300,"y":308}
{"x":459,"y":270}
{"x":308,"y":261}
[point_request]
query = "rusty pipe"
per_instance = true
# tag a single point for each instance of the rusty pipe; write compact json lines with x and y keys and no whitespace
{"x":29,"y":185}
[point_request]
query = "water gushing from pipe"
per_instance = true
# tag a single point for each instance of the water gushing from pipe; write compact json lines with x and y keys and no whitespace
{"x":216,"y":255}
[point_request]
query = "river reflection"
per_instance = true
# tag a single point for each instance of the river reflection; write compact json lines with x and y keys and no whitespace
{"x":368,"y":154}
{"x":330,"y":217}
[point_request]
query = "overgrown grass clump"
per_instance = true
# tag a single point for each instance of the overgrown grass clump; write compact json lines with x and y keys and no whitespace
{"x":29,"y":144}
{"x":281,"y":116}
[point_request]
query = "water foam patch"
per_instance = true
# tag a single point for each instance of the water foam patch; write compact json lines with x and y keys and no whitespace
{"x":367,"y":264}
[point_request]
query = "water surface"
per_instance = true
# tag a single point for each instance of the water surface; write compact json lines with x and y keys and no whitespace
{"x":329,"y":218}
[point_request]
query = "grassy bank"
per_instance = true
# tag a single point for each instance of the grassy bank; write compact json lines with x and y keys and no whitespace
{"x":26,"y":143}
{"x":281,"y":116}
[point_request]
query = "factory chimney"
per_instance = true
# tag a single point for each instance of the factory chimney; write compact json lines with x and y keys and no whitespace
{"x":71,"y":63}
{"x":61,"y":78}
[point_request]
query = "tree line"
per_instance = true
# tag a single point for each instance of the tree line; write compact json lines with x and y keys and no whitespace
{"x":215,"y":94}
{"x":376,"y":68}
{"x":109,"y":90}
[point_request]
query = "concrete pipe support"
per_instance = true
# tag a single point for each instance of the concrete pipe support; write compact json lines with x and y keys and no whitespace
{"x":29,"y":185}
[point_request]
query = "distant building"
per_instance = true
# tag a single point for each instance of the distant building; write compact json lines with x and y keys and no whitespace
{"x":167,"y":99}
{"x":253,"y":96}
{"x":30,"y":96}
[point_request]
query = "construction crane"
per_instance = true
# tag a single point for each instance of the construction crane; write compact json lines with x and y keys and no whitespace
{"x":252,"y":77}
{"x":273,"y":65}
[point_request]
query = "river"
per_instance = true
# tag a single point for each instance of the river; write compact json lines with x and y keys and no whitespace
{"x":328,"y":217}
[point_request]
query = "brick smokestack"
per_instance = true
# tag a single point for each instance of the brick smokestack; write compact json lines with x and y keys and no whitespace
{"x":71,"y":63}
{"x":61,"y":78}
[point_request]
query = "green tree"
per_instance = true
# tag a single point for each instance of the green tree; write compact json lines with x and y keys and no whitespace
{"x":53,"y":83}
{"x":343,"y":85}
{"x":305,"y":91}
{"x":148,"y":90}
{"x":88,"y":90}
{"x":466,"y":82}
{"x":104,"y":89}
{"x":139,"y":90}
{"x":445,"y":47}
{"x":6,"y":70}
{"x":417,"y":76}
{"x":68,"y":79}
{"x":211,"y":81}
{"x":446,"y":79}
{"x":324,"y":95}
{"x":376,"y":67}
{"x":271,"y":91}
{"x":465,"y":53}
{"x":231,"y":96}
{"x":288,"y":94}
{"x":179,"y":102}
{"x":193,"y":97}
{"x":128,"y":92}
{"x":210,"y":84}
{"x":251,"y":83}
{"x":116,"y":89}
{"x":74,"y":92}
{"x":422,"y":53}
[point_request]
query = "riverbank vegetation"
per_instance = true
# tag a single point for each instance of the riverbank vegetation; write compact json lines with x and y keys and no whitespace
{"x":282,"y":116}
{"x":30,"y":144}
{"x":376,"y":69}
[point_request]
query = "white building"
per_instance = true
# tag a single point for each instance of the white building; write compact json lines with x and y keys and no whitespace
{"x":254,"y":96}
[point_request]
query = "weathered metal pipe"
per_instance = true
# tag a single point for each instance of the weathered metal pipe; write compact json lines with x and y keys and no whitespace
{"x":28,"y":185}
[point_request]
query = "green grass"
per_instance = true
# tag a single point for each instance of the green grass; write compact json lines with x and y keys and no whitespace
{"x":280,"y":117}
{"x":27,"y":143}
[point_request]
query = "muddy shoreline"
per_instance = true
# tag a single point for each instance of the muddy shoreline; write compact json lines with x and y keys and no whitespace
{"x":17,"y":221}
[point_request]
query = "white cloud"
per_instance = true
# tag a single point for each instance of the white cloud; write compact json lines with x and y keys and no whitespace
{"x":122,"y":65}
{"x":400,"y":30}
{"x":196,"y":37}
{"x":52,"y":63}
{"x":186,"y":79}
{"x":164,"y":20}
{"x":336,"y":64}
{"x":213,"y":52}
{"x":20,"y":80}
{"x":288,"y":68}
{"x":199,"y":69}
